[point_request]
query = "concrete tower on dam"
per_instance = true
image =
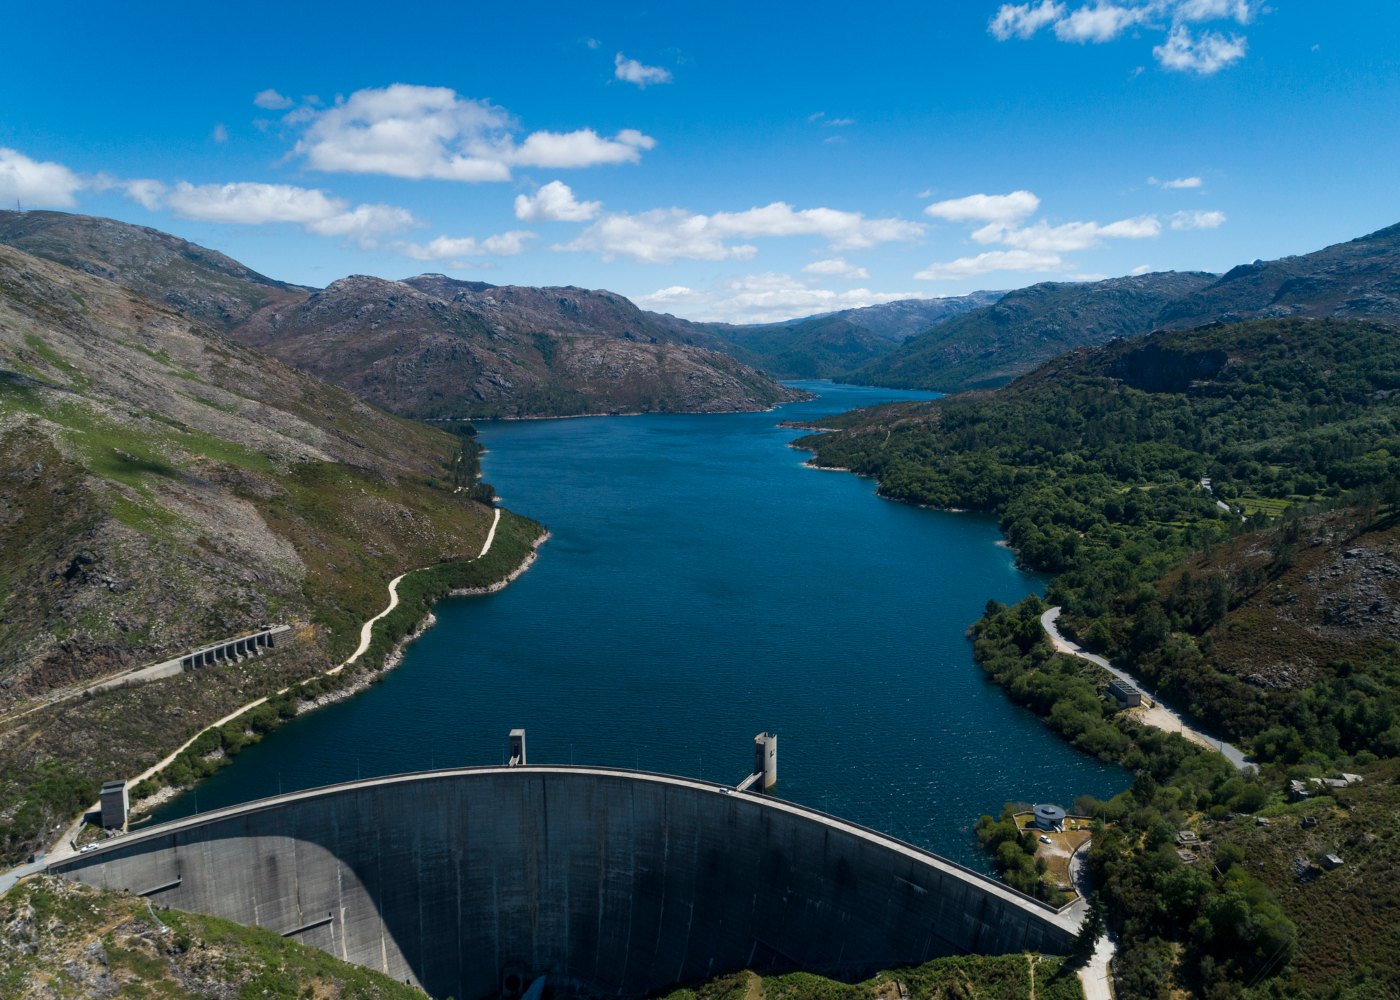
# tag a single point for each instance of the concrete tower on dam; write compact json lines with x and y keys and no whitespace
{"x":471,"y":882}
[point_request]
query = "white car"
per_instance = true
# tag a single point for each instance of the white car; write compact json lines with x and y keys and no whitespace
{"x":1044,"y":839}
{"x":87,"y":847}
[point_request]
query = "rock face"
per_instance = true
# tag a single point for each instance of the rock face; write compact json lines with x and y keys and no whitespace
{"x":427,"y":347}
{"x":201,"y":283}
{"x":1359,"y":279}
{"x":432,"y":348}
{"x":161,"y":486}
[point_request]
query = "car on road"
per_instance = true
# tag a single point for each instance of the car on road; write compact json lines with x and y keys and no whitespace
{"x":1044,"y":839}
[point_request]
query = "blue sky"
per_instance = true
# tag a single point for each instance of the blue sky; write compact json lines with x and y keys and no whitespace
{"x":745,"y":162}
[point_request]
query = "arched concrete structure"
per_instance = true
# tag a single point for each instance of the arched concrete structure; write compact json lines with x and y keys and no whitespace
{"x":611,"y":882}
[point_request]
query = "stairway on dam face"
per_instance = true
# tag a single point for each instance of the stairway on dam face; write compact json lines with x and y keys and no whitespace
{"x":609,"y":882}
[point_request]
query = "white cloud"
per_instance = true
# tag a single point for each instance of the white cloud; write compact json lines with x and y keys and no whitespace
{"x":447,"y":247}
{"x":1024,"y":20}
{"x":271,"y":100}
{"x":147,"y":193}
{"x":761,"y":298}
{"x":555,"y":202}
{"x":1179,"y":184}
{"x":989,"y":262}
{"x":1045,"y":238}
{"x":253,"y":204}
{"x":432,"y":132}
{"x":1198,"y":220}
{"x":1203,"y":55}
{"x":582,"y":148}
{"x":1141,"y":269}
{"x":661,"y":236}
{"x":836,"y":267}
{"x":631,"y":71}
{"x":1241,"y":11}
{"x":35,"y":183}
{"x":995,"y":208}
{"x":1102,"y":21}
{"x":220,"y":133}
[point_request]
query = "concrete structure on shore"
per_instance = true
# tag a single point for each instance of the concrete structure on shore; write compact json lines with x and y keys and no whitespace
{"x":233,"y":650}
{"x":472,"y":882}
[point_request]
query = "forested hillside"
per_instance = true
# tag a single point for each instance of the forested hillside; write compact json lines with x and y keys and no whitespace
{"x":1220,"y":508}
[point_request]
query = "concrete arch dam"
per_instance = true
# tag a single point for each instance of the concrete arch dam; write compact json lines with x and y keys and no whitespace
{"x":470,"y":882}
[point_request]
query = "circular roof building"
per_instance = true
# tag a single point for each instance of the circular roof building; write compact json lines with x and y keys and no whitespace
{"x":1048,"y":817}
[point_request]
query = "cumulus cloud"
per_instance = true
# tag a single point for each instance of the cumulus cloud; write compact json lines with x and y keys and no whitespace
{"x":270,"y":100}
{"x":631,"y":71}
{"x":1178,"y":184}
{"x":220,"y":133}
{"x":761,"y":298}
{"x":1031,"y":246}
{"x":36,"y":183}
{"x":555,"y":202}
{"x":1102,"y":21}
{"x":836,"y":267}
{"x":417,"y":132}
{"x":989,"y":262}
{"x":1045,"y":238}
{"x":1198,"y":220}
{"x":661,"y":236}
{"x":1203,"y":54}
{"x":145,"y":192}
{"x":447,"y":247}
{"x":991,"y":208}
{"x":254,"y":204}
{"x":1025,"y":19}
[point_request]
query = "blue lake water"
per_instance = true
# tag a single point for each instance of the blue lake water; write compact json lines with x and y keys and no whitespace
{"x":702,"y":585}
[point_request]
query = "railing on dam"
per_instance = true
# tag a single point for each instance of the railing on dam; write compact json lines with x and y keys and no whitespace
{"x":609,"y":881}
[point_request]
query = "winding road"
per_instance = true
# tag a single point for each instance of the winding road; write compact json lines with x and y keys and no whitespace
{"x":62,"y":846}
{"x":1158,"y":715}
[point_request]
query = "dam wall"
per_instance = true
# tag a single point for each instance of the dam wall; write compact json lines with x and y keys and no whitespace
{"x":471,"y":882}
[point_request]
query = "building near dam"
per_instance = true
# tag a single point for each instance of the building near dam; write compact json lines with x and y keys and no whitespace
{"x":472,"y":882}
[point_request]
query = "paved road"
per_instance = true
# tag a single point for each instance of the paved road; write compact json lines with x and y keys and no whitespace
{"x":1172,"y":723}
{"x":1094,"y":975}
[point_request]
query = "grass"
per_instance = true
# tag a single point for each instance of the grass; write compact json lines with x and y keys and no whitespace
{"x":68,"y":940}
{"x":1003,"y":977}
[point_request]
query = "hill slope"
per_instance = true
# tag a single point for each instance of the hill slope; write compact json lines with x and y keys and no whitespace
{"x":993,"y":344}
{"x":1358,"y":279}
{"x":427,"y":348}
{"x":832,"y":345}
{"x":482,"y":351}
{"x":161,"y":488}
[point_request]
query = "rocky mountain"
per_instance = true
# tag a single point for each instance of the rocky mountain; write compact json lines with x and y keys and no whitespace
{"x":1359,"y":279}
{"x":163,"y":487}
{"x":831,"y":345}
{"x":431,"y":346}
{"x":993,"y":344}
{"x":201,"y":283}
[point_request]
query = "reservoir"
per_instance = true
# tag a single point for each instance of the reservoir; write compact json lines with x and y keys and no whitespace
{"x":703,"y":585}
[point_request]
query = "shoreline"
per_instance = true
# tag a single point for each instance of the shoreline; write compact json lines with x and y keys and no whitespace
{"x":362,"y":679}
{"x":505,"y":581}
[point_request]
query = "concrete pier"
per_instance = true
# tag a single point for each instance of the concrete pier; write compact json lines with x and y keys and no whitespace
{"x":610,"y":882}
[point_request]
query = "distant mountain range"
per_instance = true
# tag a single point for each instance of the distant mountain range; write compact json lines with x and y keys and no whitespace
{"x":426,"y":347}
{"x":986,"y":347}
{"x":433,"y":346}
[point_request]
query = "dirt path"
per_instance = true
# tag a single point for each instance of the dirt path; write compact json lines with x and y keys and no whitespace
{"x":62,"y":846}
{"x":1155,"y":714}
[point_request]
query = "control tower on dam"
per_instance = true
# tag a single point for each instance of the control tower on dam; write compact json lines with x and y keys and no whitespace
{"x":470,"y":883}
